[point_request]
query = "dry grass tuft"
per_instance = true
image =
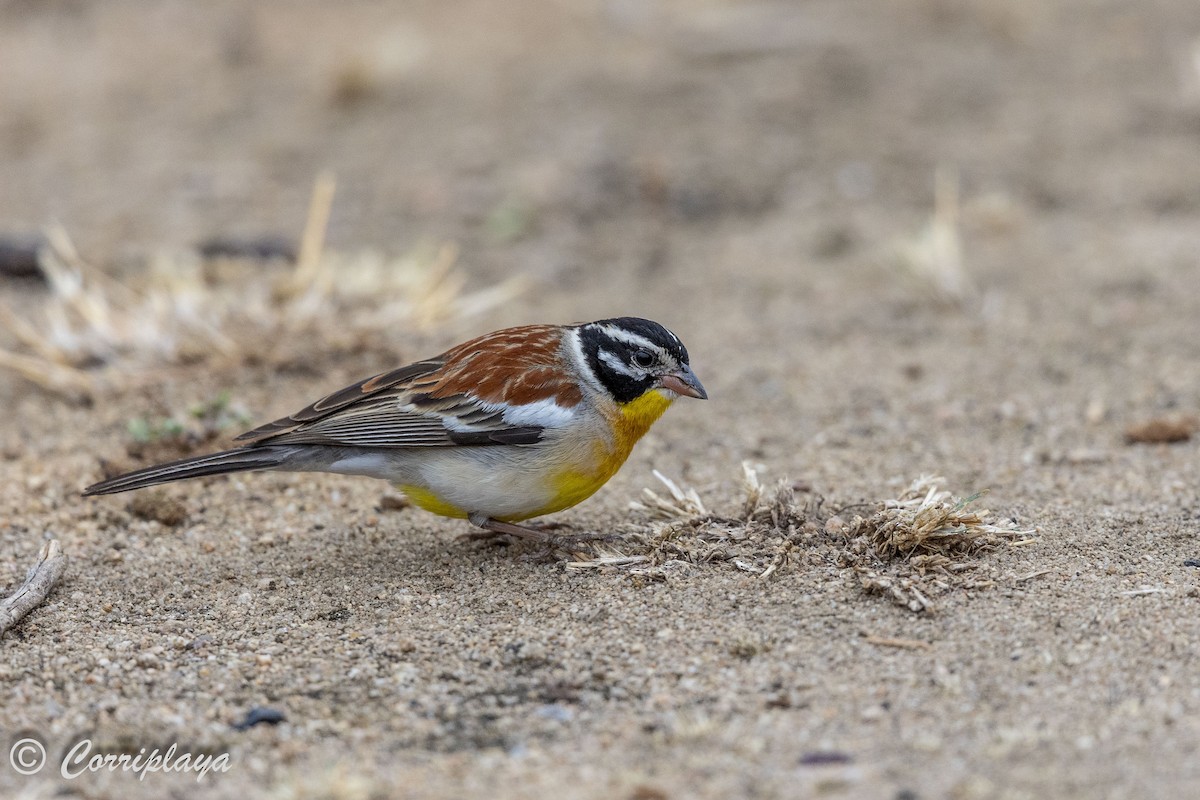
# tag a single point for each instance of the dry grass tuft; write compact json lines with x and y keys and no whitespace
{"x":923,"y":544}
{"x":926,"y":522}
{"x":684,"y":534}
{"x":911,"y":549}
{"x":93,"y":331}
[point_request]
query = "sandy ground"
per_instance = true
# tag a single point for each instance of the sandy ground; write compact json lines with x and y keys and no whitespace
{"x":749,"y":174}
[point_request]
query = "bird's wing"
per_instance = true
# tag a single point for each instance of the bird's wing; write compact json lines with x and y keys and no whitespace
{"x":503,"y":388}
{"x":383,"y":387}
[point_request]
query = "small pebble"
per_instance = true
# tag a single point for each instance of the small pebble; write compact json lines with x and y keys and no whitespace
{"x":820,"y":758}
{"x":260,"y":715}
{"x":266,"y":247}
{"x":835,"y":525}
{"x":19,"y":256}
{"x":393,"y":502}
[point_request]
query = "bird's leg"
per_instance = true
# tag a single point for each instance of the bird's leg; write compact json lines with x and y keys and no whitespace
{"x":494,"y":527}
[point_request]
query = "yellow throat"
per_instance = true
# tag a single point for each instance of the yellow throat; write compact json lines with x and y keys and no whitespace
{"x":636,"y":418}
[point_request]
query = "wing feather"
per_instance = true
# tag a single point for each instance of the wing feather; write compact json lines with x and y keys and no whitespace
{"x":479,"y":393}
{"x":395,"y":380}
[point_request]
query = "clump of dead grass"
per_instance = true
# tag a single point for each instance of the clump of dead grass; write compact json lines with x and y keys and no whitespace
{"x":94,"y":331}
{"x":684,"y":534}
{"x":928,"y":521}
{"x":924,"y":543}
{"x":912,"y":548}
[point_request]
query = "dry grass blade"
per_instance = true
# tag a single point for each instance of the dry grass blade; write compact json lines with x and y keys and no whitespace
{"x":54,"y":377}
{"x":1037,"y":573}
{"x":311,"y":276}
{"x":603,"y":561}
{"x":180,"y":312}
{"x":681,"y":505}
{"x":29,"y":336}
{"x":900,"y":644}
{"x":934,"y":256}
{"x":1145,"y":590}
{"x":753,"y":488}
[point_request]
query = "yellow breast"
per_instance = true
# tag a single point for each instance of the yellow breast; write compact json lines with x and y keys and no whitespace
{"x":630,"y":423}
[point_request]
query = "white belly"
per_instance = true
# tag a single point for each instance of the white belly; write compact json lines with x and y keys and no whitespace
{"x":500,"y":482}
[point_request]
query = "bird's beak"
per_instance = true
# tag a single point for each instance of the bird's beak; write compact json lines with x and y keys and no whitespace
{"x":685,"y":383}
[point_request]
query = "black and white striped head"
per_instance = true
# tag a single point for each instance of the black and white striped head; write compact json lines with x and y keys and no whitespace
{"x":629,"y":356}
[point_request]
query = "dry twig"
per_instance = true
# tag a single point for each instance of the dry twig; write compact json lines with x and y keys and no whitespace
{"x":1037,"y":573}
{"x":900,"y":644}
{"x":1163,"y":430}
{"x":42,"y":578}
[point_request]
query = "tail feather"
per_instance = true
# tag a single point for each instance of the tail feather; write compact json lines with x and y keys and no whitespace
{"x":240,"y":460}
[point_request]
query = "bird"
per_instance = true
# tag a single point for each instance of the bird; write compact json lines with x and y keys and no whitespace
{"x":512,"y":425}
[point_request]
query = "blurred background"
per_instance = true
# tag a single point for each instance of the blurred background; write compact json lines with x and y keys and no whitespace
{"x":713,"y":152}
{"x":137,"y":124}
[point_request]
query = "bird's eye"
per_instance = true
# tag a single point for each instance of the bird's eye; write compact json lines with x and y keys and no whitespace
{"x":643,"y":359}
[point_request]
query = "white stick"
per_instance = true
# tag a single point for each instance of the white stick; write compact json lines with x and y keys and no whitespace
{"x":42,"y":578}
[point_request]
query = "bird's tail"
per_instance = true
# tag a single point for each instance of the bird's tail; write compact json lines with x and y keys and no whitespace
{"x":243,"y":459}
